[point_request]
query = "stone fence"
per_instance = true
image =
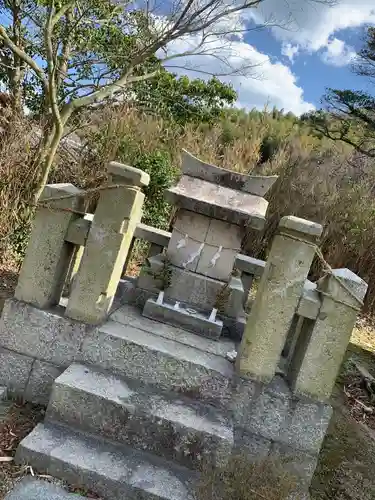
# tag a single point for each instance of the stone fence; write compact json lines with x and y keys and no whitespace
{"x":295,"y":327}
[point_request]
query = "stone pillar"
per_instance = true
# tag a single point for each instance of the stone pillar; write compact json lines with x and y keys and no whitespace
{"x":118,"y":212}
{"x":48,"y":255}
{"x":330,"y":336}
{"x":277,"y":298}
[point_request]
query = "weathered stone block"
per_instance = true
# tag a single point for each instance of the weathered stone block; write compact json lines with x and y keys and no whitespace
{"x":265,"y":415}
{"x":259,"y":408}
{"x":298,"y":463}
{"x":14,"y":371}
{"x":330,"y":334}
{"x":309,"y":303}
{"x":39,"y":385}
{"x":223,"y":234}
{"x":37,"y":489}
{"x":253,"y":446}
{"x":116,"y":217}
{"x":48,"y":255}
{"x":41,"y":334}
{"x":183,"y":251}
{"x":194,"y":225}
{"x":132,"y":316}
{"x":193,"y":322}
{"x":125,"y":173}
{"x":234,"y":306}
{"x":306,"y":425}
{"x":174,"y":428}
{"x":152,"y":234}
{"x":277,"y":298}
{"x":249,"y":265}
{"x":110,"y":471}
{"x":216,"y":262}
{"x":152,"y":359}
{"x":218,"y":202}
{"x":194,"y":289}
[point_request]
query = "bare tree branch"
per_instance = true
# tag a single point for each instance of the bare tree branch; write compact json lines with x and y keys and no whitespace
{"x":24,"y":57}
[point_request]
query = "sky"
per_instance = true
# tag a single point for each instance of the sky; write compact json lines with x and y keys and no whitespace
{"x":303,"y":48}
{"x":296,"y":57}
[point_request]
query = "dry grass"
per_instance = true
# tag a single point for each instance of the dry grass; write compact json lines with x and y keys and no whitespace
{"x":244,"y":480}
{"x":318,"y":180}
{"x":19,"y":421}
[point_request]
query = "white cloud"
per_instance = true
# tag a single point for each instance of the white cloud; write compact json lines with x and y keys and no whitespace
{"x":290,"y":51}
{"x":267,"y":82}
{"x":338,"y":53}
{"x":313,"y":25}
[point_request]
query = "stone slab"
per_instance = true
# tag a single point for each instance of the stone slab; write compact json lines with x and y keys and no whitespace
{"x":15,"y":370}
{"x":110,"y":471}
{"x":260,"y":409}
{"x":305,"y":425}
{"x":174,"y":428}
{"x":135,"y":176}
{"x":253,"y":184}
{"x":194,"y":322}
{"x":218,"y":202}
{"x":216,"y":262}
{"x":309,"y":303}
{"x":40,"y":382}
{"x":185,"y":286}
{"x":152,"y":359}
{"x":249,"y":265}
{"x":130,"y":295}
{"x":295,"y":224}
{"x":79,"y":229}
{"x":129,"y":315}
{"x":46,"y":335}
{"x":152,"y":234}
{"x":192,"y":224}
{"x":255,"y":447}
{"x":298,"y":463}
{"x":36,"y":489}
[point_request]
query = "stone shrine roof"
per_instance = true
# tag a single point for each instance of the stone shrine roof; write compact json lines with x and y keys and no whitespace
{"x":218,"y":202}
{"x":257,"y":185}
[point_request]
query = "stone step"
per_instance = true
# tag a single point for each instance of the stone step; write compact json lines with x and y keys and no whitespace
{"x":175,"y":428}
{"x":151,"y":358}
{"x":113,"y":472}
{"x":36,"y":489}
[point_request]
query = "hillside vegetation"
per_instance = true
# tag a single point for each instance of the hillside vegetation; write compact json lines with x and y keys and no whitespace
{"x":319,"y":179}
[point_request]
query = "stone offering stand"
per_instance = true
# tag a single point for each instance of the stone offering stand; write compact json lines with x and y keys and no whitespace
{"x":148,"y":378}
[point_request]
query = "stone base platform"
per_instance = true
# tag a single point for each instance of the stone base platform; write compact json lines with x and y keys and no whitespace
{"x":133,"y":374}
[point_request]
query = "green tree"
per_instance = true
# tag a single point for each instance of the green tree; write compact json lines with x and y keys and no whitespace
{"x":349,"y":115}
{"x":184,"y":100}
{"x":75,"y":53}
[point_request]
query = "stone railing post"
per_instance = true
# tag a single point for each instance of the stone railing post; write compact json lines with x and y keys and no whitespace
{"x":118,"y":212}
{"x":48,"y":255}
{"x":277,"y":298}
{"x":329,"y":337}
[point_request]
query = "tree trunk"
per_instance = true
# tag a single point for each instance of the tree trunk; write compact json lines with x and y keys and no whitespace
{"x":46,"y":156}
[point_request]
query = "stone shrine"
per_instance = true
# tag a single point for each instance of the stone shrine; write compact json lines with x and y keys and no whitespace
{"x":214,"y":208}
{"x":138,"y":407}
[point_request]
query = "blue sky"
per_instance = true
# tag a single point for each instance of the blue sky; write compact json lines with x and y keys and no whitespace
{"x":313,"y":73}
{"x":306,"y":47}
